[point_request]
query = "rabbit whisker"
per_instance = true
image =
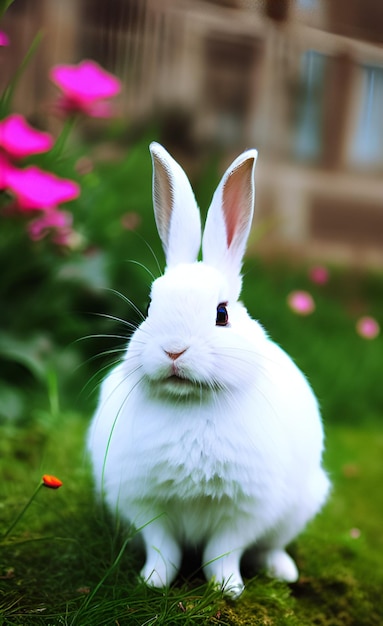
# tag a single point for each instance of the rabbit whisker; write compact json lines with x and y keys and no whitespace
{"x":144,"y":267}
{"x":127,"y":301}
{"x":117,"y":417}
{"x":259,"y":366}
{"x":160,"y":272}
{"x":118,"y":319}
{"x":97,"y":374}
{"x":102,"y":336}
{"x":251,"y":352}
{"x":104,"y":353}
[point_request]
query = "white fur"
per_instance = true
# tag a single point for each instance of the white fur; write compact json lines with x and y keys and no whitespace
{"x":228,"y":454}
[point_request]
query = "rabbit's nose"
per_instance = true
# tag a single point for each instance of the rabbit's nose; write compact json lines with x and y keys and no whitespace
{"x":175,"y":355}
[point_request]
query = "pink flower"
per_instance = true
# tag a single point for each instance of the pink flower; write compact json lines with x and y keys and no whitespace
{"x":4,"y":39}
{"x":20,"y":140}
{"x":60,"y":222}
{"x":367,"y":327}
{"x":5,"y":167}
{"x":36,"y":189}
{"x":131,"y":221}
{"x":32,"y":187}
{"x":319,"y":275}
{"x":85,"y":88}
{"x":301,"y":302}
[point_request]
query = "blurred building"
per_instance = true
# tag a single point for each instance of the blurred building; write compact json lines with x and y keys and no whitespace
{"x":301,"y":80}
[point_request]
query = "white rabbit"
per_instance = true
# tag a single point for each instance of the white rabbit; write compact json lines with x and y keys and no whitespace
{"x":207,"y":434}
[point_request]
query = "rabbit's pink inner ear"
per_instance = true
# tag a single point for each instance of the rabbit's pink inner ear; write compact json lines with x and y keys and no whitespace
{"x":238,"y":200}
{"x":163,"y":199}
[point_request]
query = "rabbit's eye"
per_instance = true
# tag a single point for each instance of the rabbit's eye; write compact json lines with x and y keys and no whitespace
{"x":222,"y":315}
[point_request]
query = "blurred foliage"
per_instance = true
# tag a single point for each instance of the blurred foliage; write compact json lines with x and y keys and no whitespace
{"x":52,"y":296}
{"x":4,"y":4}
{"x":7,"y":95}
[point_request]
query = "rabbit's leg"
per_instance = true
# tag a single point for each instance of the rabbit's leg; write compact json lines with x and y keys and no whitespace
{"x":223,"y":565}
{"x":278,"y":564}
{"x":271,"y":554}
{"x":163,"y":555}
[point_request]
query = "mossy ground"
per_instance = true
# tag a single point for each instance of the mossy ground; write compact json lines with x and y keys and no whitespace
{"x":68,"y":563}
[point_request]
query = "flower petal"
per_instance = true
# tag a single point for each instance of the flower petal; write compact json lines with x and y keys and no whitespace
{"x":53,"y":219}
{"x":4,"y":39}
{"x":20,"y":140}
{"x":37,"y":189}
{"x":319,"y":274}
{"x":5,"y":168}
{"x":301,"y":302}
{"x":367,"y":327}
{"x":85,"y":83}
{"x":101,"y":109}
{"x":51,"y":481}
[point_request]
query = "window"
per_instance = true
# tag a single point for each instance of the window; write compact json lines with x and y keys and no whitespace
{"x":309,"y":121}
{"x":366,"y":145}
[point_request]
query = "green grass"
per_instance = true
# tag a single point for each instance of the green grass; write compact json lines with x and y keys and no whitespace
{"x":68,"y":562}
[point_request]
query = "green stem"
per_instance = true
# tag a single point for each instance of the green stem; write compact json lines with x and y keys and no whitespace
{"x":61,"y":140}
{"x":90,"y":597}
{"x":6,"y":98}
{"x":53,"y":394}
{"x":23,"y":510}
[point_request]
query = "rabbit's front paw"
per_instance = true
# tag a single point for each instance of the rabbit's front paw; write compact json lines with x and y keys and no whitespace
{"x":279,"y":564}
{"x":154,"y":578}
{"x":233,"y":588}
{"x":223,"y":570}
{"x":163,"y":557}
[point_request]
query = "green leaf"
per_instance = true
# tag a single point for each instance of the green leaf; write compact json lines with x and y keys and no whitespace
{"x":12,"y":402}
{"x":32,"y":353}
{"x":4,"y":4}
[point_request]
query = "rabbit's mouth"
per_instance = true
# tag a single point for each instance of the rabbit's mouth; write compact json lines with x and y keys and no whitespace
{"x":177,"y":377}
{"x":179,"y":382}
{"x":179,"y":386}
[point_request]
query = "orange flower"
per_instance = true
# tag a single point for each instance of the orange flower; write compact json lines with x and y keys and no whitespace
{"x":51,"y":481}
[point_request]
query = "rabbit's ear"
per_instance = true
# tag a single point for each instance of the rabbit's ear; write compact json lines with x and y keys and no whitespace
{"x":230,"y":214}
{"x":175,"y":209}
